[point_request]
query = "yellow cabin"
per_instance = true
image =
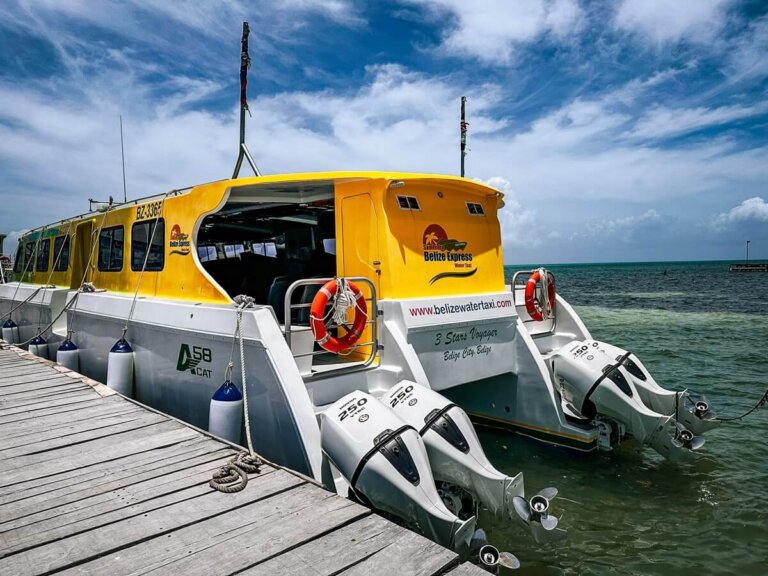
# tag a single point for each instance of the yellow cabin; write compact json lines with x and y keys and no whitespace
{"x":413,"y":235}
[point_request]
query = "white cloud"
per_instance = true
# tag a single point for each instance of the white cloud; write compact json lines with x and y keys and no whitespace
{"x":664,"y":122}
{"x":746,"y":58}
{"x":491,"y":30}
{"x":518,"y":228}
{"x":752,"y":209}
{"x":11,"y":242}
{"x":664,"y":21}
{"x":575,"y":170}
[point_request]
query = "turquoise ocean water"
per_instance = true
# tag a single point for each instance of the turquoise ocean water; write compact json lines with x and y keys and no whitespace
{"x":694,"y":325}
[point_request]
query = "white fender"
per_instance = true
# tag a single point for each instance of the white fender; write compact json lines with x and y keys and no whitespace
{"x":11,"y":332}
{"x":68,"y":355}
{"x":120,"y":368}
{"x":39,"y":347}
{"x":225,"y":414}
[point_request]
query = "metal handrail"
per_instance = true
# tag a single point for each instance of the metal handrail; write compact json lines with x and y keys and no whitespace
{"x":372,"y":315}
{"x":554,"y":304}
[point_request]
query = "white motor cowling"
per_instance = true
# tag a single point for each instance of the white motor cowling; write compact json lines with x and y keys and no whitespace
{"x":385,"y":463}
{"x":592,"y":383}
{"x":455,"y":453}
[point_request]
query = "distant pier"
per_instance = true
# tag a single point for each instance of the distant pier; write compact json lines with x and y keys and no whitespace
{"x":748,"y":268}
{"x":94,"y":483}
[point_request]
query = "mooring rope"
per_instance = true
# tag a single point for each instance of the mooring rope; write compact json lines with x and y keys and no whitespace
{"x":88,"y":286}
{"x":49,"y":285}
{"x":760,"y":404}
{"x":144,"y":265}
{"x":24,"y":273}
{"x":41,"y":332}
{"x":8,"y":314}
{"x":233,"y":477}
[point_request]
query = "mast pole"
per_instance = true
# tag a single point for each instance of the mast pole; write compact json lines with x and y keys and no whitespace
{"x":463,"y":126}
{"x":747,"y":262}
{"x":122,"y":155}
{"x":245,"y":63}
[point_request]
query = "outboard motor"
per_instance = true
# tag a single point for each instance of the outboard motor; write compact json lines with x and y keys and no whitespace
{"x":456,"y":457}
{"x":594,"y":384}
{"x":696,"y":416}
{"x":385,"y":463}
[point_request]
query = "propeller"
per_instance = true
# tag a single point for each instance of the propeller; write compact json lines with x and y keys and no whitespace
{"x":687,"y":439}
{"x":536,"y":510}
{"x":702,"y":410}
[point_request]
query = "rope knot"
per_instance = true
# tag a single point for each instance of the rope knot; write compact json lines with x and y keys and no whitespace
{"x":343,"y":300}
{"x":244,"y":301}
{"x":233,"y":476}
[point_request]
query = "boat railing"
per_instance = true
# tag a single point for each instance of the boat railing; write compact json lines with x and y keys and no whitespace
{"x":372,"y":321}
{"x":548,"y":326}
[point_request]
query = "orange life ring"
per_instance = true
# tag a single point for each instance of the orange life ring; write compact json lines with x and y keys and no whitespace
{"x":317,"y":314}
{"x":532,"y":305}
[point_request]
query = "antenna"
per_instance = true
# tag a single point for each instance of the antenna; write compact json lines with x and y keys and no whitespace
{"x":122,"y":154}
{"x":245,"y":63}
{"x":463,"y":125}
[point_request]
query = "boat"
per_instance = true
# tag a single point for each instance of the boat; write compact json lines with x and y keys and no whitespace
{"x":363,"y":320}
{"x":240,"y":279}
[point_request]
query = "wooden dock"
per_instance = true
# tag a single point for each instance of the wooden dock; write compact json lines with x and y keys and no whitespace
{"x":94,"y":483}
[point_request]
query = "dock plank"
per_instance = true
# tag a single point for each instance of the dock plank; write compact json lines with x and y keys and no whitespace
{"x":22,"y":397}
{"x":29,"y":410}
{"x":79,"y":548}
{"x":416,"y":556}
{"x":24,"y":370}
{"x":27,"y":376}
{"x":58,"y":442}
{"x":101,"y":450}
{"x":334,"y":552}
{"x":34,"y":388}
{"x":251,"y":530}
{"x":36,"y":381}
{"x":14,"y":438}
{"x":83,"y":494}
{"x":93,"y":513}
{"x":74,"y":484}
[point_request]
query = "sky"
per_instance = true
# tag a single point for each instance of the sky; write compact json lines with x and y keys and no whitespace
{"x":629,"y":130}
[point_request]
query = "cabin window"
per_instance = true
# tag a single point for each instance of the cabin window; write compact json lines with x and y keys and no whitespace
{"x":475,"y":209}
{"x":206,"y":253}
{"x":18,"y":263}
{"x":29,"y":249}
{"x":111,"y":249}
{"x":408,"y":203}
{"x":141,"y":234}
{"x":43,"y":251}
{"x":61,"y":254}
{"x":233,"y":250}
